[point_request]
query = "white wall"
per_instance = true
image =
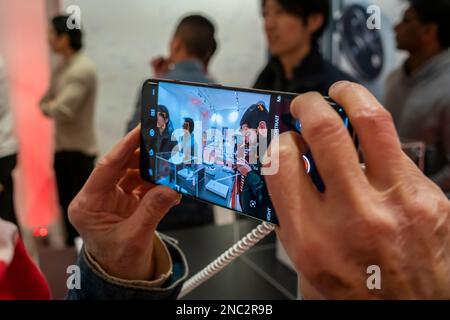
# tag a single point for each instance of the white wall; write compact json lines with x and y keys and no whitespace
{"x":122,"y":37}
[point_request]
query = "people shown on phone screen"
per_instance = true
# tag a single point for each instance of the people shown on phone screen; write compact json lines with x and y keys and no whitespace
{"x":252,"y":191}
{"x":164,"y":141}
{"x":187,"y":147}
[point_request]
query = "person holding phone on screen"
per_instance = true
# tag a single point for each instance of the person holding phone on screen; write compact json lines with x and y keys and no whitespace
{"x":253,"y":195}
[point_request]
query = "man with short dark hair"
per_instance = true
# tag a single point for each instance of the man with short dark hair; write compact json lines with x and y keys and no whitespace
{"x":293,"y":29}
{"x":191,"y":48}
{"x":70,"y":102}
{"x":193,"y":40}
{"x":418,"y":94}
{"x":188,"y":125}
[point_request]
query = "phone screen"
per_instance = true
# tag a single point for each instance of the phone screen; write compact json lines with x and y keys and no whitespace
{"x":208,"y":142}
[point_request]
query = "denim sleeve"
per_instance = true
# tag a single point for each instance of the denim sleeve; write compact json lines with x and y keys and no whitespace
{"x":96,"y":286}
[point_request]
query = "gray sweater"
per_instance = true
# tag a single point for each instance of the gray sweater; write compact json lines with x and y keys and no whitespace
{"x":420,"y":106}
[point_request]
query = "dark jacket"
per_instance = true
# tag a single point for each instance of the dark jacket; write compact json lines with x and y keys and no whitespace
{"x":164,"y":142}
{"x":311,"y":74}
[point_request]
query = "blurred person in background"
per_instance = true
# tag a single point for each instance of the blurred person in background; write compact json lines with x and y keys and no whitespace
{"x":293,"y":29}
{"x":8,"y":149}
{"x":191,"y":48}
{"x":70,"y":102}
{"x":418,"y":94}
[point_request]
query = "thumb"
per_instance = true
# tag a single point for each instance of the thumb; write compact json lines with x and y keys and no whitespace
{"x":153,"y":207}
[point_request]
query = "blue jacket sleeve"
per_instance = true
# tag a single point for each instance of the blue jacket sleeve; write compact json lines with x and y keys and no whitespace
{"x":96,"y":286}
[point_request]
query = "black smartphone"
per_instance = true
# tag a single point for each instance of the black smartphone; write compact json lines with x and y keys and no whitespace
{"x":208,"y":141}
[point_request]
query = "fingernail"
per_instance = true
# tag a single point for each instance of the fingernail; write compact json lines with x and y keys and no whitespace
{"x":163,"y":198}
{"x":339,"y":85}
{"x":178,"y":200}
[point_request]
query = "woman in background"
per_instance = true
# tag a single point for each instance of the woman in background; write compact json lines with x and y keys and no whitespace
{"x":8,"y":149}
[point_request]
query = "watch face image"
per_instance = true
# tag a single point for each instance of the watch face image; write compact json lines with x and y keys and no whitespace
{"x":362,"y":46}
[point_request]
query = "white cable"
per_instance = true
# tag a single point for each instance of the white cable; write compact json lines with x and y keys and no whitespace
{"x":252,"y":238}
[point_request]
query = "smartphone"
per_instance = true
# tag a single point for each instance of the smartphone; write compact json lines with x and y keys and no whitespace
{"x":208,"y":141}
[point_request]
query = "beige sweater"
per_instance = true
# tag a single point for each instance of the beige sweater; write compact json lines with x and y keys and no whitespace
{"x":70,"y":101}
{"x":7,"y":142}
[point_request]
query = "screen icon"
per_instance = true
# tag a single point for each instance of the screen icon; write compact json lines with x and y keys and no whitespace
{"x":269,"y":214}
{"x":152,"y":113}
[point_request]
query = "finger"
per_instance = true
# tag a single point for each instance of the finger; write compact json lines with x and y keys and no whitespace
{"x":131,"y":181}
{"x":111,"y":167}
{"x":292,"y":191}
{"x":142,"y":190}
{"x":375,"y":129}
{"x":153,"y":207}
{"x":134,"y":161}
{"x":331,"y":145}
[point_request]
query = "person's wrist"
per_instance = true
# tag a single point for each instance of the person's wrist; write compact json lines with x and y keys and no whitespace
{"x":126,"y":262}
{"x":162,"y":266}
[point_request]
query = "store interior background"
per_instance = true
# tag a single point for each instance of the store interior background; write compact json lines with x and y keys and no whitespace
{"x":121,"y":38}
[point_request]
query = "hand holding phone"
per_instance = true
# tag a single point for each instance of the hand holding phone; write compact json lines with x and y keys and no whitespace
{"x":117,"y":213}
{"x":390,"y":218}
